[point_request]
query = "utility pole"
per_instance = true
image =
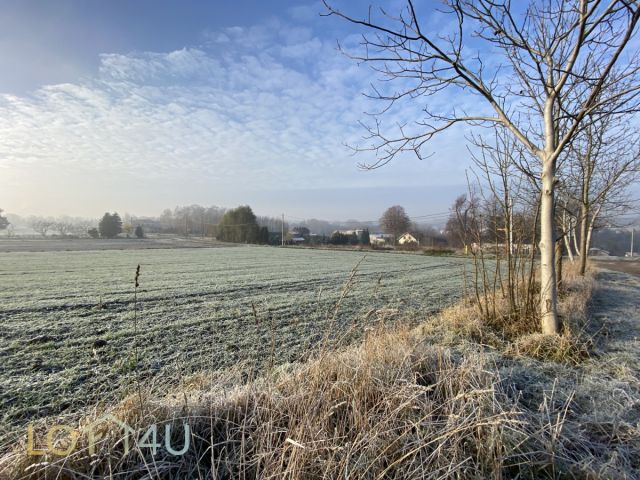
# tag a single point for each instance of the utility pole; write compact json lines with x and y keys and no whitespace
{"x":283,"y":229}
{"x":631,"y":242}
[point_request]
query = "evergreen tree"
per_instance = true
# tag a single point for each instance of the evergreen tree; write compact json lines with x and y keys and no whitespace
{"x":264,"y":235}
{"x":364,"y":237}
{"x":338,"y":238}
{"x":139,"y":232}
{"x":110,"y":225}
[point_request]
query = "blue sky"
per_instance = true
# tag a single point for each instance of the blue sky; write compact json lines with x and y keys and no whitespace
{"x":138,"y":106}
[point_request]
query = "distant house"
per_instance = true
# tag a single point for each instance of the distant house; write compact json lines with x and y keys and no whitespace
{"x":298,"y":240}
{"x":357,"y":232}
{"x":408,"y":239}
{"x":380,"y":239}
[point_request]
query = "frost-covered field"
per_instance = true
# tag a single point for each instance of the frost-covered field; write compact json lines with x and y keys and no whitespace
{"x":197,"y":309}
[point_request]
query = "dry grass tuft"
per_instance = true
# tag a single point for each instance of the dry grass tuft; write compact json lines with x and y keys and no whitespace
{"x":563,"y":348}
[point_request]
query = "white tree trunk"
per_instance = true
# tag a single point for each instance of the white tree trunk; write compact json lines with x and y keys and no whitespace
{"x":575,"y":240}
{"x":567,"y":244}
{"x":548,"y":286}
{"x":566,"y":226}
{"x":548,"y":283}
{"x":594,"y":217}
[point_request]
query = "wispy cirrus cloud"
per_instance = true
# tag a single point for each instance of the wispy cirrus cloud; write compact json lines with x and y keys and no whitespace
{"x":268,"y":106}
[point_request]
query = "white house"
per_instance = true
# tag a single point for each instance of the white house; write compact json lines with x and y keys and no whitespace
{"x":357,"y":232}
{"x":380,"y":238}
{"x":408,"y":239}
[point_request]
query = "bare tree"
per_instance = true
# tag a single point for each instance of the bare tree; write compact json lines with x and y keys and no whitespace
{"x":560,"y":64}
{"x":80,"y":227}
{"x":601,"y":163}
{"x":395,"y":221}
{"x":462,"y":221}
{"x":510,"y":193}
{"x":63,"y":227}
{"x":41,"y":225}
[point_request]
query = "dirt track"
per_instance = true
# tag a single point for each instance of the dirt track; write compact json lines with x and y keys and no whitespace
{"x":625,"y":266}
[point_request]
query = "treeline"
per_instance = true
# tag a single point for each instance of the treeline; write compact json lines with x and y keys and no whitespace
{"x":237,"y":225}
{"x":190,"y":220}
{"x":479,"y":220}
{"x":339,"y":238}
{"x":482,"y":220}
{"x":203,"y":221}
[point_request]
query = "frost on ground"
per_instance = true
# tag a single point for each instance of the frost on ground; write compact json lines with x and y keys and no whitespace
{"x":616,"y":365}
{"x":68,"y":327}
{"x":597,"y":402}
{"x":403,"y":403}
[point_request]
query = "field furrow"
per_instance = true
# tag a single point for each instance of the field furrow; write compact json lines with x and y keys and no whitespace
{"x":68,"y":328}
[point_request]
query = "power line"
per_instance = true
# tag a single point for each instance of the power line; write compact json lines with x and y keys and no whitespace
{"x":443,"y":217}
{"x":228,"y":225}
{"x":429,"y":216}
{"x":439,"y":214}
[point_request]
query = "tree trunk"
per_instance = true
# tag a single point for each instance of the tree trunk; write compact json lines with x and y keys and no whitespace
{"x":584,"y":247}
{"x":575,"y":240}
{"x":567,"y":235}
{"x":559,"y":264}
{"x":594,"y":217}
{"x":548,"y":287}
